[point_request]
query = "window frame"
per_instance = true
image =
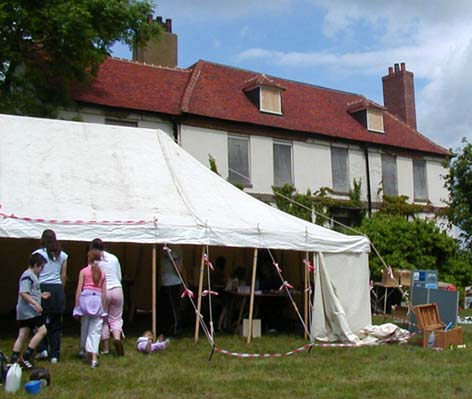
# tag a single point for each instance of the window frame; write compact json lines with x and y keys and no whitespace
{"x":262,"y":88}
{"x":246,"y":138}
{"x":417,"y":198}
{"x":384,"y":159}
{"x":339,"y":190}
{"x":286,"y":144}
{"x":120,"y":122}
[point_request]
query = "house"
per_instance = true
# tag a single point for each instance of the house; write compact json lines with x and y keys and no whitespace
{"x":264,"y":131}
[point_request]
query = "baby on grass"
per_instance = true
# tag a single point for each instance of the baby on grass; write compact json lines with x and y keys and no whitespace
{"x":146,"y":343}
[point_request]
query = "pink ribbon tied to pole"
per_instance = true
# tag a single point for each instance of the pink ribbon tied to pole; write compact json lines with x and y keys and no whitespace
{"x":276,"y":265}
{"x":207,"y":261}
{"x":187,"y":293}
{"x":286,"y":284}
{"x":309,"y":266}
{"x":166,"y":248}
{"x":390,"y":272}
{"x":308,"y":289}
{"x":209,"y":292}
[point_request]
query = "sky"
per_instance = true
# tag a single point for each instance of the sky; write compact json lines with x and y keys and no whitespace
{"x":341,"y":44}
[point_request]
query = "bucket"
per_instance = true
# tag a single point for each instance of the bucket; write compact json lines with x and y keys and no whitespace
{"x":33,"y":387}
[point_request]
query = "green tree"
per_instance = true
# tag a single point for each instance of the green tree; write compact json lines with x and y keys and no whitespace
{"x":47,"y":46}
{"x":459,"y":184}
{"x":417,"y":244}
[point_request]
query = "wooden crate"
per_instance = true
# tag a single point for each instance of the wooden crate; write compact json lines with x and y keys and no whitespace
{"x":427,"y":318}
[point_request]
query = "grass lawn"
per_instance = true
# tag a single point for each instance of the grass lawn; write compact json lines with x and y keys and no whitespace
{"x":183,"y":371}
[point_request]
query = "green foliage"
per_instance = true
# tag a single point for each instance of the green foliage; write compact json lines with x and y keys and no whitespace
{"x":287,"y":197}
{"x":47,"y":46}
{"x":417,"y":244}
{"x":298,"y":204}
{"x":459,"y":184}
{"x":398,"y":205}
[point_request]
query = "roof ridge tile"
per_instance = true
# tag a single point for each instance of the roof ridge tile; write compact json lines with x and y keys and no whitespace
{"x":195,"y":74}
{"x":144,"y":64}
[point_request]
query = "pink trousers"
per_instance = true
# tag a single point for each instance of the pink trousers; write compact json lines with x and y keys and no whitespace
{"x":114,"y":321}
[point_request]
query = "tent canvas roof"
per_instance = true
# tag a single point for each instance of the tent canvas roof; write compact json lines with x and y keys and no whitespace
{"x":134,"y":185}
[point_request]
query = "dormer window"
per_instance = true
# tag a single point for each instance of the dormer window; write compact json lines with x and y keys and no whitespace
{"x":265,"y":93}
{"x":368,"y":114}
{"x":375,"y":120}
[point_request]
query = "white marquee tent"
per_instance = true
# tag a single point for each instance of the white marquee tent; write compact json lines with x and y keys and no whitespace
{"x":138,"y":186}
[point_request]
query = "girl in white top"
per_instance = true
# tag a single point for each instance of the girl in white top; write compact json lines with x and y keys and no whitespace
{"x":52,"y":279}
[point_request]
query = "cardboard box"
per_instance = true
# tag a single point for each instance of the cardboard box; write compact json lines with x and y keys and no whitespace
{"x":405,"y":278}
{"x":427,"y":318}
{"x":256,"y":328}
{"x":387,"y":280}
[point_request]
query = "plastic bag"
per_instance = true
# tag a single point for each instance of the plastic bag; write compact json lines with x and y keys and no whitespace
{"x":13,"y":380}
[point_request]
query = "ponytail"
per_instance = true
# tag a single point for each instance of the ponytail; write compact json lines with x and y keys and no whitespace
{"x":96,"y":273}
{"x":94,"y":256}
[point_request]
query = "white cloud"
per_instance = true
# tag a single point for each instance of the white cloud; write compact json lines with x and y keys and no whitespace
{"x":204,"y":9}
{"x":434,"y":40}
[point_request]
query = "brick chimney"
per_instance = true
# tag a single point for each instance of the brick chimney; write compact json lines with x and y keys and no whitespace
{"x":161,"y":51}
{"x":399,"y":93}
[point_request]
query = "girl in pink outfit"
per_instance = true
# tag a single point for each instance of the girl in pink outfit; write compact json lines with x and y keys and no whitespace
{"x":113,"y":325}
{"x":90,"y":302}
{"x":146,"y":344}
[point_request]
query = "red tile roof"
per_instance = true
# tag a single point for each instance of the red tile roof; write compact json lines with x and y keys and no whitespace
{"x":136,"y":86}
{"x":217,"y":91}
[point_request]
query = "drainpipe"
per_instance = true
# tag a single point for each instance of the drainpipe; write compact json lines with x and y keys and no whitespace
{"x":367,"y":171}
{"x":175,"y":129}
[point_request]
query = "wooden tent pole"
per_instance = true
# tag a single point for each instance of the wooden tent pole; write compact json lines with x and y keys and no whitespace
{"x":251,"y":302}
{"x":199,"y":300}
{"x":305,"y":302}
{"x":154,"y":289}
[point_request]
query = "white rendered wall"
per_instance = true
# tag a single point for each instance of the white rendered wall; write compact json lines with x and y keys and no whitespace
{"x":312,"y":166}
{"x":200,"y":142}
{"x":96,"y":115}
{"x":375,"y":166}
{"x":357,"y":170}
{"x":311,"y":160}
{"x":437,"y":193}
{"x":262,"y":164}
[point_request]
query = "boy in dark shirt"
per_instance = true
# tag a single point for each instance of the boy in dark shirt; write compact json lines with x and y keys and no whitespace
{"x":28,"y":311}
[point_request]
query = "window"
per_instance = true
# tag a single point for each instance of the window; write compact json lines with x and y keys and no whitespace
{"x":340,"y":169}
{"x":238,"y":160}
{"x":419,"y":180}
{"x":375,"y":120}
{"x":120,"y":122}
{"x":389,"y":175}
{"x":282,"y":163}
{"x":270,"y":100}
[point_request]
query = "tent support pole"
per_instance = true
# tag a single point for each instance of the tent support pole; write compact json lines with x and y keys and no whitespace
{"x":199,"y":299}
{"x":251,"y":302}
{"x":154,"y":289}
{"x":305,"y":302}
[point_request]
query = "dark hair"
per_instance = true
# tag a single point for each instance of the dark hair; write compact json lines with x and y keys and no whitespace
{"x":49,"y":241}
{"x":97,"y":244}
{"x":94,"y":256}
{"x":36,"y":260}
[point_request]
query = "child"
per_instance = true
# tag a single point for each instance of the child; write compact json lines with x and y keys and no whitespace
{"x":146,"y":344}
{"x":90,"y":302}
{"x":28,"y":311}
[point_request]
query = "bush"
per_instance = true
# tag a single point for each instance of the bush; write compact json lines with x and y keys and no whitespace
{"x":417,"y":244}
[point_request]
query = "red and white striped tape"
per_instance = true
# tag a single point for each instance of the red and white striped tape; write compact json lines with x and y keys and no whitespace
{"x":74,"y":222}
